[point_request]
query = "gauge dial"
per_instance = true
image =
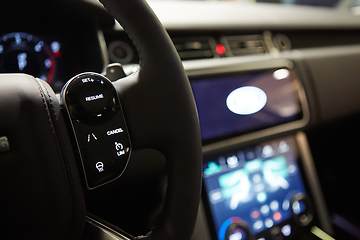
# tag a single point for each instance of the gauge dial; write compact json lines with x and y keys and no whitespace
{"x":26,"y":53}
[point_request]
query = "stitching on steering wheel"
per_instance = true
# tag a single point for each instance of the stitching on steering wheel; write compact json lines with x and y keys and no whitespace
{"x":51,"y":121}
{"x":66,"y":158}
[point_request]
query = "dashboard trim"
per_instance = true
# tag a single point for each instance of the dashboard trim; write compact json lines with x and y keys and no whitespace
{"x":310,"y":174}
{"x":224,"y":15}
{"x":103,"y":232}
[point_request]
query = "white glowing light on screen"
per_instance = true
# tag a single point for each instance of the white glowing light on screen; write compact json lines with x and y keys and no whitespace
{"x":246,"y":100}
{"x":269,"y":223}
{"x":286,"y":230}
{"x":236,"y":236}
{"x":281,"y":74}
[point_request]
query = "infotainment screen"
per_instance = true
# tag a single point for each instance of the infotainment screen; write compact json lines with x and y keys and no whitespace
{"x":255,"y":187}
{"x":238,"y":103}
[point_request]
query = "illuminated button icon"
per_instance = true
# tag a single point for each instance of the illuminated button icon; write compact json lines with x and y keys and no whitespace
{"x":274,"y":205}
{"x":115,"y":131}
{"x":286,"y":230}
{"x":261,"y":197}
{"x":265,"y":209}
{"x":258,"y":225}
{"x":283,"y":146}
{"x":286,"y":205}
{"x":93,"y":98}
{"x":212,"y":168}
{"x":119,"y":148}
{"x":269,"y":223}
{"x":267,"y":151}
{"x":91,"y":135}
{"x":236,"y":236}
{"x":292,"y":168}
{"x":255,"y":214}
{"x":220,"y":49}
{"x":215,"y":196}
{"x":99,"y":166}
{"x":277,"y":216}
{"x":232,"y":161}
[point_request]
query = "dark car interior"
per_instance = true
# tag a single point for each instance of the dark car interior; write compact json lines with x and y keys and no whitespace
{"x":215,"y":120}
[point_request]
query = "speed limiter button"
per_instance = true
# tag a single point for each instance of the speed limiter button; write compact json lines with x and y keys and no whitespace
{"x":93,"y":98}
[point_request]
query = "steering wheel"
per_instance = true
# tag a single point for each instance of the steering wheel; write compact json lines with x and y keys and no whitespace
{"x":41,"y":191}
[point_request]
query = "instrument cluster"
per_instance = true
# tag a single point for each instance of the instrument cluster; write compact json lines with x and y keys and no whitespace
{"x":40,"y":57}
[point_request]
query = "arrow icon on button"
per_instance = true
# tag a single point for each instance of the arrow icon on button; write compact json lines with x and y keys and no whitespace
{"x":89,"y":136}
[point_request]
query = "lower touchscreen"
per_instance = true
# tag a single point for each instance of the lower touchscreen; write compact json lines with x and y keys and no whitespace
{"x":255,"y":187}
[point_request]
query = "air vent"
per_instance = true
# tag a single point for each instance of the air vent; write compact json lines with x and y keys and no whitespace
{"x":195,"y":47}
{"x":244,"y":45}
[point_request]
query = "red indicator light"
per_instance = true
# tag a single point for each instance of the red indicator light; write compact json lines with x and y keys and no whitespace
{"x":220,"y":49}
{"x":277,"y":216}
{"x":255,"y":214}
{"x":57,"y":54}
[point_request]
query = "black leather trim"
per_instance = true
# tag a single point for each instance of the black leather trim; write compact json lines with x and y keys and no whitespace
{"x":69,"y":164}
{"x":41,"y":192}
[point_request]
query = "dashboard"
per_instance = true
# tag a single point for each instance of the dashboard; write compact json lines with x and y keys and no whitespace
{"x":277,"y":97}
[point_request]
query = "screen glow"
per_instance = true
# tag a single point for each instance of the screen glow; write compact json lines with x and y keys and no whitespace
{"x":246,"y":100}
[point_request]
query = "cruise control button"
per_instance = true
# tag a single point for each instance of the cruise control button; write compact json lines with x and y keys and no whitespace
{"x":99,"y":166}
{"x":119,"y":149}
{"x":115,"y":131}
{"x":118,"y":146}
{"x":91,"y":136}
{"x":94,"y":109}
{"x":93,"y":98}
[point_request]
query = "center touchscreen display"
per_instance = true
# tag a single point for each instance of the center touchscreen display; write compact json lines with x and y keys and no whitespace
{"x":255,"y":187}
{"x":244,"y":102}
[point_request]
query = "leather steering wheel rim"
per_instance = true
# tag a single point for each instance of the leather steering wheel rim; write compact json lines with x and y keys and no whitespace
{"x":42,"y":197}
{"x":160,"y":112}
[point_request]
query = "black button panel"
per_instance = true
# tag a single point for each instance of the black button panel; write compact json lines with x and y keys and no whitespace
{"x":98,"y":122}
{"x":90,"y":98}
